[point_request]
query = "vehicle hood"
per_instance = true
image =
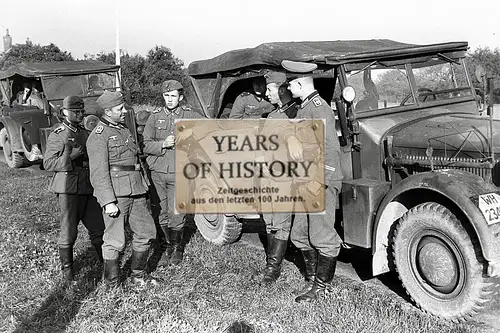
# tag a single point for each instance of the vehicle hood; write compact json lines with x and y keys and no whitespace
{"x":446,"y":132}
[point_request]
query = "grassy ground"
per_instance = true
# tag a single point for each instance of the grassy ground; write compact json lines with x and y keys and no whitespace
{"x":215,"y":290}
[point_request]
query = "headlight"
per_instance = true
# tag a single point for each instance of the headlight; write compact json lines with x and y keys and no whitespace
{"x":348,"y":94}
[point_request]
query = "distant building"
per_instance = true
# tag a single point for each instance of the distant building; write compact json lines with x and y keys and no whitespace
{"x":7,"y":41}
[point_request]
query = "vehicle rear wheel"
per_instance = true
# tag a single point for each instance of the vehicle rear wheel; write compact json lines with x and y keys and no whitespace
{"x":31,"y":150}
{"x":13,"y":159}
{"x":439,"y":264}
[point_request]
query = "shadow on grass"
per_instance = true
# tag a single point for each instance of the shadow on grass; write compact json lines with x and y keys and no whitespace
{"x":361,"y":261}
{"x":63,"y":303}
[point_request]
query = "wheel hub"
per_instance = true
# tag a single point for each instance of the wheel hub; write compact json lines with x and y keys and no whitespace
{"x":437,"y":264}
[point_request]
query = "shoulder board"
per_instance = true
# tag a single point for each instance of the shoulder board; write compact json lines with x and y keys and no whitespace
{"x":157,"y":110}
{"x":317,"y":101}
{"x":186,"y":107}
{"x":99,"y":129}
{"x":245,"y":93}
{"x":59,"y":129}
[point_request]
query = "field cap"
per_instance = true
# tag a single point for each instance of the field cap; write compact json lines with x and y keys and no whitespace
{"x":170,"y":85}
{"x":298,"y":68}
{"x":110,"y":99}
{"x":73,"y":103}
{"x":275,"y":77}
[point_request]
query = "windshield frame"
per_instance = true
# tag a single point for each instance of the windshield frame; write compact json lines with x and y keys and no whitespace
{"x":413,"y":86}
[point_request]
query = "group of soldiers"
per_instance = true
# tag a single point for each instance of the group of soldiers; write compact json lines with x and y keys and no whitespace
{"x":100,"y":180}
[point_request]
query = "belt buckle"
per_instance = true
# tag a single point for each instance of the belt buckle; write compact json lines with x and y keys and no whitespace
{"x":137,"y":167}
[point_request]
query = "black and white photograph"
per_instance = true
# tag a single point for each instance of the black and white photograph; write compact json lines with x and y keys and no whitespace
{"x":250,"y":167}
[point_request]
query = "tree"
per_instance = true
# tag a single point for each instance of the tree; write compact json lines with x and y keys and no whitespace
{"x":33,"y":52}
{"x":142,"y":76}
{"x":161,"y":64}
{"x":490,"y":61}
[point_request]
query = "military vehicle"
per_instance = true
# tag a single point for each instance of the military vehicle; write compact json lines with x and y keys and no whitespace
{"x":32,"y":95}
{"x":420,"y":181}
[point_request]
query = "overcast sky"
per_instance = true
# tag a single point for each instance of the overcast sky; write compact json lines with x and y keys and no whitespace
{"x":203,"y":29}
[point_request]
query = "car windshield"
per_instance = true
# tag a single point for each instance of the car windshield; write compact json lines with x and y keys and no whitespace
{"x":59,"y":87}
{"x":380,"y":87}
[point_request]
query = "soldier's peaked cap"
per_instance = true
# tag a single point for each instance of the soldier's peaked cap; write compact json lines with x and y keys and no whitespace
{"x":110,"y":99}
{"x":170,"y":85}
{"x":73,"y":103}
{"x":275,"y":77}
{"x":298,"y":68}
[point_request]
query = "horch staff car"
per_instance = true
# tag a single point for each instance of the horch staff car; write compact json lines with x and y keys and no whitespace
{"x":420,"y":173}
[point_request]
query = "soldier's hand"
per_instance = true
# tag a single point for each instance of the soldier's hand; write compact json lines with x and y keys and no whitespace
{"x":169,"y":141}
{"x":77,"y":152}
{"x":183,"y":135}
{"x":295,"y":148}
{"x":111,"y":209}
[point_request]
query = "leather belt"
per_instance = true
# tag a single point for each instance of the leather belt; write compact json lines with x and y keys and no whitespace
{"x":135,"y":167}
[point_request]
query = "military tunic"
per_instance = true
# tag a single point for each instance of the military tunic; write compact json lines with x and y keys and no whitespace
{"x":72,"y":185}
{"x":161,"y":161}
{"x":115,"y":173}
{"x":248,"y":105}
{"x":279,"y":223}
{"x":318,"y":230}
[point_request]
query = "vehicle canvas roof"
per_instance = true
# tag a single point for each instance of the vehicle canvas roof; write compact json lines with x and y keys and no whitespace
{"x":320,"y":52}
{"x":39,"y":69}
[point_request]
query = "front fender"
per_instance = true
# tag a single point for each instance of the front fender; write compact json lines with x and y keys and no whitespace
{"x":14,"y":132}
{"x":455,"y":186}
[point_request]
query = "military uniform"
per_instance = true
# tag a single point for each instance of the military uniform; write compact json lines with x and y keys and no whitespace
{"x":74,"y":191}
{"x":161,"y":161}
{"x":248,"y":105}
{"x":279,"y":224}
{"x":115,"y":173}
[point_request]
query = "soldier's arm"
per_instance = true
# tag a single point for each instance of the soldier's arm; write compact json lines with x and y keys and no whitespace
{"x":100,"y":177}
{"x":238,"y":110}
{"x":57,"y":155}
{"x":152,"y":145}
{"x":331,"y":146}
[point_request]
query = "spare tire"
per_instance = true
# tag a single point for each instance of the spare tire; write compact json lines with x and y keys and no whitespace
{"x":219,"y":229}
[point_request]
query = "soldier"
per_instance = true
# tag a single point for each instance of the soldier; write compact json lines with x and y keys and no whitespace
{"x":315,"y":234}
{"x":121,"y":189}
{"x":253,"y":106}
{"x":277,"y":224}
{"x":66,"y":154}
{"x":159,"y":139}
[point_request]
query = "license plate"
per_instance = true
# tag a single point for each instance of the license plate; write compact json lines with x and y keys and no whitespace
{"x":489,"y":204}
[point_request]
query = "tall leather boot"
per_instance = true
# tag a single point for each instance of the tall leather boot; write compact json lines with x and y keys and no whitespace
{"x":177,"y":237}
{"x":139,"y":275}
{"x":274,"y":260}
{"x":310,"y":261}
{"x":66,"y":257}
{"x":165,"y":256}
{"x":270,"y":239}
{"x":98,"y":249}
{"x":324,"y":276}
{"x":111,"y":272}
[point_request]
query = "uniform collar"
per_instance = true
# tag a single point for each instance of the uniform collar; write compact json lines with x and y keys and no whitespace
{"x":287,"y":106}
{"x":110,"y":124}
{"x":176,"y":111}
{"x":70,"y":126}
{"x":309,"y":98}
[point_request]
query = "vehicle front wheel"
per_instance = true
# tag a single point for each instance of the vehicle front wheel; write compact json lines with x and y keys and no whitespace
{"x":219,"y":229}
{"x":13,"y":159}
{"x":438,"y":262}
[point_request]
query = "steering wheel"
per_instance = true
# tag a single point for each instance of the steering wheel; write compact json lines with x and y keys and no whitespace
{"x":428,"y":92}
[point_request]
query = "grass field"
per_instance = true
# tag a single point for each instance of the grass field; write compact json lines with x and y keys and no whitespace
{"x":215,"y":290}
